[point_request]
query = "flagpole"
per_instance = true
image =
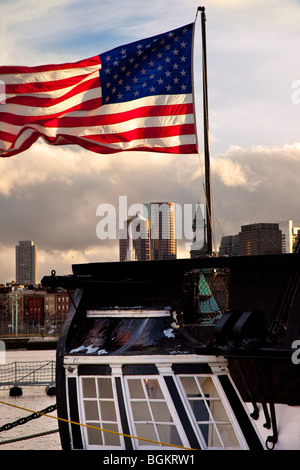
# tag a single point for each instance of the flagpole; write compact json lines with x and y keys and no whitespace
{"x":206,"y":136}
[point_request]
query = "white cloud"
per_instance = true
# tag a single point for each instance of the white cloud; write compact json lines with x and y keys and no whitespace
{"x":233,"y":173}
{"x":44,"y":163}
{"x":50,"y":194}
{"x":269,"y":192}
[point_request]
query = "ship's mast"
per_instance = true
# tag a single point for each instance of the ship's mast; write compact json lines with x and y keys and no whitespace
{"x":206,"y":135}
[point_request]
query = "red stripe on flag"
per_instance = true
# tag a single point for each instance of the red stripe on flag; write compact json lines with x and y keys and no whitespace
{"x":178,"y":149}
{"x":143,"y":133}
{"x":12,"y":69}
{"x":98,"y":120}
{"x":8,"y":137}
{"x":16,"y":120}
{"x":36,"y":101}
{"x":39,"y":87}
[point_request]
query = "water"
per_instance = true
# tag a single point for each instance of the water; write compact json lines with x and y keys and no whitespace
{"x":33,"y":398}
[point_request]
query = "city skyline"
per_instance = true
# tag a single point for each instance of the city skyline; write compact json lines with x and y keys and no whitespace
{"x":50,"y":194}
{"x":229,"y":244}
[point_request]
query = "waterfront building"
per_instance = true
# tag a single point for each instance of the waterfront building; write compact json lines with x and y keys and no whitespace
{"x":63,"y":304}
{"x":33,"y":307}
{"x":4,"y":306}
{"x":32,"y":311}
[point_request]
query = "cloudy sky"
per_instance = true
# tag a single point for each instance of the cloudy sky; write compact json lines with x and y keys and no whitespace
{"x":50,"y":194}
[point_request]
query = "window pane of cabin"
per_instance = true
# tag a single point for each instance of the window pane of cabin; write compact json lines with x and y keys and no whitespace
{"x":190,"y":386}
{"x":228,"y":435}
{"x":136,"y":388}
{"x":89,"y":387}
{"x":218,"y":411}
{"x":94,"y":435}
{"x":204,"y":428}
{"x":91,"y":410}
{"x":200,"y":410}
{"x":207,"y":386}
{"x":168,"y":434}
{"x":108,"y":412}
{"x":146,"y":431}
{"x":161,"y":412}
{"x":111,"y":439}
{"x":141,"y":411}
{"x":153,"y":389}
{"x":210,"y":435}
{"x":105,"y":388}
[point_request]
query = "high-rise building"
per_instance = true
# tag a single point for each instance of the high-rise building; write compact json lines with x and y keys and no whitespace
{"x":26,"y":263}
{"x":150,"y":235}
{"x":260,"y":239}
{"x":290,"y":235}
{"x":229,"y":245}
{"x":162,"y":228}
{"x":134,"y":239}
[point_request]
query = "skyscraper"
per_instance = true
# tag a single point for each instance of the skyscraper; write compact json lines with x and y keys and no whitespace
{"x":150,"y":235}
{"x":134,"y":240}
{"x":162,"y":228}
{"x":229,"y":245}
{"x":260,"y":239}
{"x":26,"y":263}
{"x":290,"y":235}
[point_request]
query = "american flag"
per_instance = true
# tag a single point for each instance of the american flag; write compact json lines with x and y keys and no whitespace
{"x":137,"y":96}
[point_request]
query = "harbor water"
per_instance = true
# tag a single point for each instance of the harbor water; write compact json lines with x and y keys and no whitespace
{"x":33,"y":398}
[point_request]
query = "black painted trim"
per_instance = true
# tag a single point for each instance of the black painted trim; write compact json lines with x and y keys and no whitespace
{"x":191,"y":369}
{"x":139,"y":369}
{"x":245,"y":424}
{"x":124,"y":420}
{"x":61,"y":400}
{"x":74,"y":415}
{"x":194,"y":443}
{"x":94,"y":369}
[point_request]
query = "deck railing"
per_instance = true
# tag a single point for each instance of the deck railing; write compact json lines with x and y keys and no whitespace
{"x":27,"y":374}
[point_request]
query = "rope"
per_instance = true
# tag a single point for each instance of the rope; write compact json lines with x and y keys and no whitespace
{"x":95,"y":427}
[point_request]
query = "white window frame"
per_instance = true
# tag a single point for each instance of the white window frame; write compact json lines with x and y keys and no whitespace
{"x":224,"y":400}
{"x":142,"y":445}
{"x":98,"y":399}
